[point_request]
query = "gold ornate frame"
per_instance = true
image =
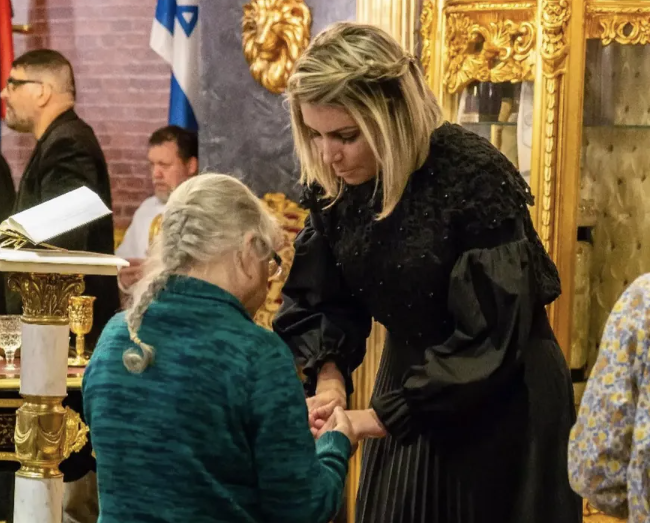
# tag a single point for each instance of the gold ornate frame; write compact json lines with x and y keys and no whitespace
{"x":516,"y":41}
{"x":465,"y":41}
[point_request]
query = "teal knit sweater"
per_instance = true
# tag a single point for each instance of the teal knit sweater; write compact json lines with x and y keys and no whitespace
{"x":215,"y":430}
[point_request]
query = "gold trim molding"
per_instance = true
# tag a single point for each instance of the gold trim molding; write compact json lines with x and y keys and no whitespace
{"x":499,"y":51}
{"x":46,"y":296}
{"x":427,"y":21}
{"x":489,"y":6}
{"x":555,"y":15}
{"x":626,"y":23}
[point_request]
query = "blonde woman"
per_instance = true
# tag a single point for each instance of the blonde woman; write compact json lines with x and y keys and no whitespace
{"x":196,"y":414}
{"x":425,"y":227}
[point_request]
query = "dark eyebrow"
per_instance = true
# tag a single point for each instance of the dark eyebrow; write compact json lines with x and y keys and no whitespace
{"x":337,"y":131}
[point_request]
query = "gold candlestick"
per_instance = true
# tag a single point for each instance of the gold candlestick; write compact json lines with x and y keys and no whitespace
{"x":80,"y":313}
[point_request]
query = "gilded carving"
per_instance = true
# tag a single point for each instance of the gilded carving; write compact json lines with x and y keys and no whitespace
{"x":291,"y":218}
{"x":554,"y":49}
{"x":554,"y":20}
{"x":490,"y":6}
{"x":45,"y":434}
{"x":46,"y":296}
{"x":76,"y":433}
{"x":275,"y":33}
{"x":501,"y":51}
{"x":623,"y":29}
{"x":427,"y":19}
{"x":7,"y":425}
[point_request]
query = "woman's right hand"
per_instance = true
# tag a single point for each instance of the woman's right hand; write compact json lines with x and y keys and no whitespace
{"x":340,"y":422}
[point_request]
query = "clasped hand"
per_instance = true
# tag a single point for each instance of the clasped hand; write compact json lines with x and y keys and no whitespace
{"x":326,"y":413}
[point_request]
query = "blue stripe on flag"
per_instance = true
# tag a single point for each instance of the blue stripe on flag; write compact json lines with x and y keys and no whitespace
{"x":165,"y":14}
{"x":180,"y":110}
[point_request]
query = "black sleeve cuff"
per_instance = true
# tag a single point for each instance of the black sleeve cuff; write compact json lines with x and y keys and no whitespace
{"x":394,"y":412}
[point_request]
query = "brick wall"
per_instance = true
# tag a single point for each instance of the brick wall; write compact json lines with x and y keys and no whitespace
{"x":123,"y":86}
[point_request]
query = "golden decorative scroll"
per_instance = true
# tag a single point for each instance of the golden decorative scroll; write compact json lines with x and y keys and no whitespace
{"x":499,"y":51}
{"x":291,"y":218}
{"x":555,"y":16}
{"x":477,"y":7}
{"x":46,"y":434}
{"x":627,"y":25}
{"x":275,"y":33}
{"x":427,"y":19}
{"x":46,"y":296}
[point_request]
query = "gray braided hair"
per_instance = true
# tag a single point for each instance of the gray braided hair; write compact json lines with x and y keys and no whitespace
{"x":206,"y":217}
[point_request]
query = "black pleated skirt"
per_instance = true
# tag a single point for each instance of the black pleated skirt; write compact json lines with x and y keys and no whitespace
{"x":504,"y":464}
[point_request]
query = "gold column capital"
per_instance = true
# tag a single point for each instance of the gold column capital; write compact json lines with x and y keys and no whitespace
{"x":46,"y":296}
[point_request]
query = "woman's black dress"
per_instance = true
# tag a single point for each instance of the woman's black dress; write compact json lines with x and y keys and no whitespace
{"x":472,"y":387}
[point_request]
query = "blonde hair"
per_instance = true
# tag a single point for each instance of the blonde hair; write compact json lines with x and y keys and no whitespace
{"x":362,"y":69}
{"x":206,"y":217}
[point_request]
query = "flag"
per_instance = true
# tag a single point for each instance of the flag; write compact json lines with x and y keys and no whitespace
{"x":175,"y":37}
{"x":6,"y":46}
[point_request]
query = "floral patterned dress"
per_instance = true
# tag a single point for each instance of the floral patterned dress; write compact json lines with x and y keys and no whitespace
{"x":609,"y":449}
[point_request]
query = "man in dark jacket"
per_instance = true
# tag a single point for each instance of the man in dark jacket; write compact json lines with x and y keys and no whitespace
{"x":7,"y":199}
{"x":40,"y":98}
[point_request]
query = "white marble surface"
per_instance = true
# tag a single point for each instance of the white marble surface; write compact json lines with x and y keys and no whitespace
{"x":38,"y":500}
{"x":44,"y":360}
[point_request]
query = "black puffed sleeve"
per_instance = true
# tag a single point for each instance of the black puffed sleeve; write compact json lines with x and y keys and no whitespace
{"x":319,"y":319}
{"x":499,"y":284}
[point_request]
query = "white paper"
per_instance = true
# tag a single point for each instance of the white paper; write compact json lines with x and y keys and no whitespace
{"x":61,"y":257}
{"x":58,"y":215}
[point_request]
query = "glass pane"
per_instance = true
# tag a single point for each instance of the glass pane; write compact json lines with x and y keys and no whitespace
{"x":614,"y":207}
{"x":503,"y":114}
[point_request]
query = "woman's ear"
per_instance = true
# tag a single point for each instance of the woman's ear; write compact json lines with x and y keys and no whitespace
{"x":248,"y":255}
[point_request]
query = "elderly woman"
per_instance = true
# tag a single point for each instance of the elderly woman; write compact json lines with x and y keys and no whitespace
{"x":197,"y":414}
{"x":609,"y":450}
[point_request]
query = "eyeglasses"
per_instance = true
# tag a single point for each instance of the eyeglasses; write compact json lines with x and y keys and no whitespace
{"x":275,"y":265}
{"x":14,"y":83}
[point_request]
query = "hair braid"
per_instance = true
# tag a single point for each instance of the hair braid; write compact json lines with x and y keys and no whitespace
{"x":173,"y":257}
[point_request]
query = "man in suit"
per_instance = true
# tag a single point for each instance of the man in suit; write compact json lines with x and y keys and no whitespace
{"x":40,"y":98}
{"x":7,"y":199}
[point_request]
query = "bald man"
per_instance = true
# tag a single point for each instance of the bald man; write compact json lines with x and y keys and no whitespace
{"x":40,"y":98}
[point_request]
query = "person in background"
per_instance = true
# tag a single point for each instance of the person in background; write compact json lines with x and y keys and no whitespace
{"x":609,"y":449}
{"x":173,"y":156}
{"x":7,"y":200}
{"x":187,"y":356}
{"x":40,"y":96}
